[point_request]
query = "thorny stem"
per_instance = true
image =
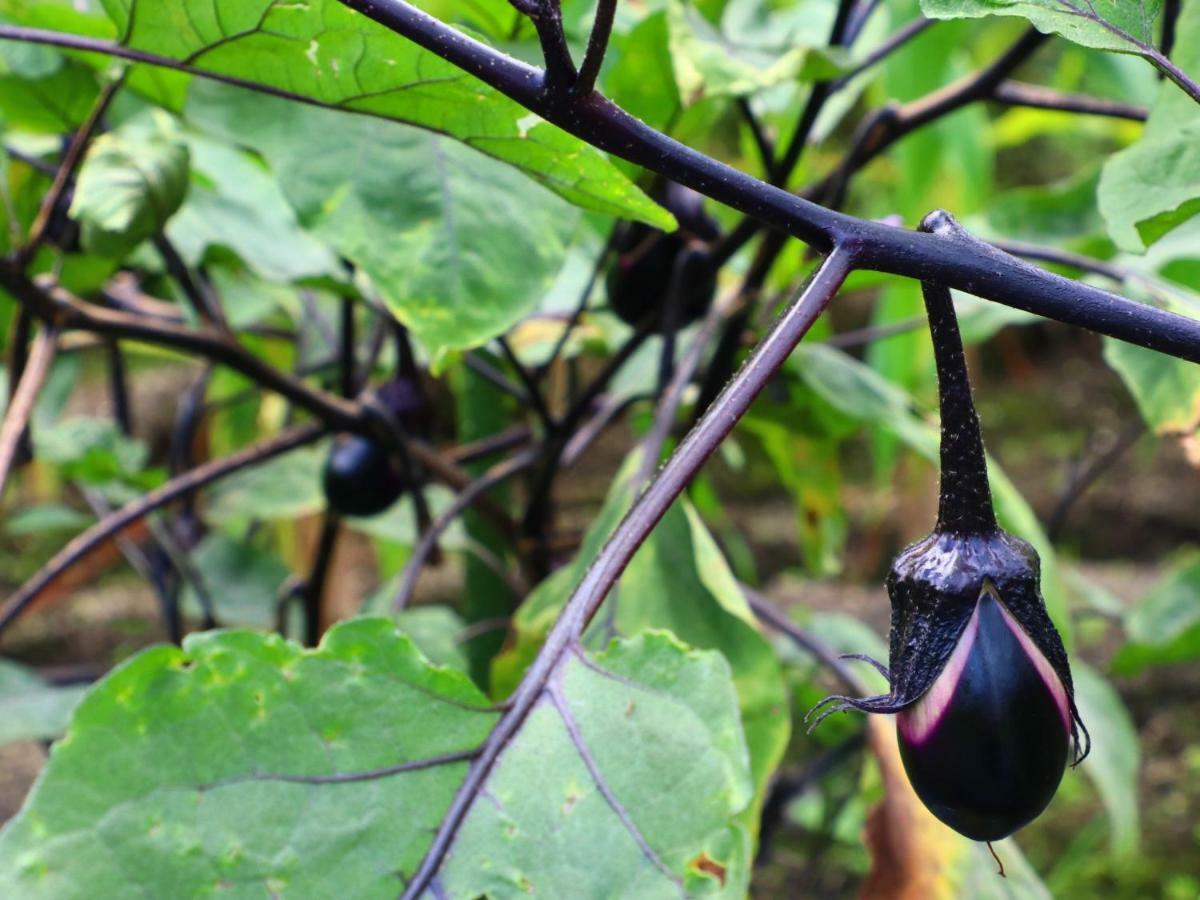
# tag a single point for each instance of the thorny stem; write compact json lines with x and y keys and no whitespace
{"x":700,"y":443}
{"x":181,"y":486}
{"x":16,"y":417}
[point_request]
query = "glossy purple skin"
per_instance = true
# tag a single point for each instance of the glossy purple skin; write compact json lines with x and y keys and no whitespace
{"x":360,"y":478}
{"x":992,"y":760}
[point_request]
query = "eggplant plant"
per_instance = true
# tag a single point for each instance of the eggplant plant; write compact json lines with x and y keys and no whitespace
{"x":424,"y":384}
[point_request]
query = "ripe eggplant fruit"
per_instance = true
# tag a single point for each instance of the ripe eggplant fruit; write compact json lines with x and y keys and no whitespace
{"x":980,"y":683}
{"x":652,"y":265}
{"x":360,"y":477}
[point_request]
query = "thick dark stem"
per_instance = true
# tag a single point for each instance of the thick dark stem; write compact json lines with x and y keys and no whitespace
{"x":964,"y":498}
{"x":203,"y":303}
{"x":1016,"y":93}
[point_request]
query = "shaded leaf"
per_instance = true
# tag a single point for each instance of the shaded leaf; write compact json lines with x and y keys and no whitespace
{"x":471,"y":246}
{"x":30,"y":709}
{"x":1115,"y":760}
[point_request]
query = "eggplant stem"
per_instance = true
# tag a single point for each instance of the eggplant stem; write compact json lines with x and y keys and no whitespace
{"x":965,"y":500}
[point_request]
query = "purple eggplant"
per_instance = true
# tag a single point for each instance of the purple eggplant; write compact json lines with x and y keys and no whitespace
{"x":979,"y":678}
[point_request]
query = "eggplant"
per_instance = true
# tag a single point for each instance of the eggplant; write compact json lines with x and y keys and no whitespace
{"x":979,"y":679}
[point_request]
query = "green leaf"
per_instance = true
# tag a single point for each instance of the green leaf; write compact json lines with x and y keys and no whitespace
{"x":661,"y":724}
{"x":707,"y":64}
{"x":45,"y":517}
{"x":168,"y":780}
{"x":471,"y":245}
{"x":242,"y":580}
{"x":1126,"y":26}
{"x":1115,"y":759}
{"x":1151,"y":188}
{"x":235,"y":203}
{"x":286,"y":487}
{"x":128,"y":187}
{"x":678,"y":581}
{"x":1164,"y":628}
{"x":181,"y":775}
{"x":30,"y":709}
{"x":93,"y":451}
{"x":1062,"y":212}
{"x":322,"y":51}
{"x":1166,"y":390}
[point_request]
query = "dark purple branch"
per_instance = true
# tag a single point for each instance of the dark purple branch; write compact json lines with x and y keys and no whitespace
{"x":532,"y":389}
{"x":958,"y":264}
{"x":185,"y":484}
{"x":701,"y":442}
{"x":70,"y":164}
{"x":889,"y":46}
{"x":597,"y":46}
{"x":318,"y":576}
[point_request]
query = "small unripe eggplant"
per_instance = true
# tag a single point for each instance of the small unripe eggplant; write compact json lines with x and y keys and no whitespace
{"x":652,"y":265}
{"x":980,"y":683}
{"x":361,"y":478}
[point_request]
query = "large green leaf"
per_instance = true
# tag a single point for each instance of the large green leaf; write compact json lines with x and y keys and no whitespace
{"x":1167,"y":390}
{"x":322,"y":51}
{"x":1152,"y":187}
{"x":679,"y":581}
{"x":1126,"y":26}
{"x":460,"y":246}
{"x":191,"y":772}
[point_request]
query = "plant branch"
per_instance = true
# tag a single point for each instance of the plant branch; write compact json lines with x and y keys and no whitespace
{"x":1017,"y":93}
{"x":606,"y":126}
{"x":889,"y":46}
{"x":611,"y":561}
{"x":178,"y":487}
{"x":597,"y":46}
{"x":66,"y":171}
{"x":20,"y":408}
{"x":318,"y":575}
{"x":494,"y":476}
{"x":532,"y":388}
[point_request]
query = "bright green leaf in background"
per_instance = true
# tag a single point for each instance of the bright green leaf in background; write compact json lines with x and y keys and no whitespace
{"x":1153,"y":186}
{"x":1164,"y":628}
{"x":460,"y":247}
{"x":129,"y":186}
{"x":323,"y":51}
{"x":1113,"y":765}
{"x":192,"y":762}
